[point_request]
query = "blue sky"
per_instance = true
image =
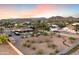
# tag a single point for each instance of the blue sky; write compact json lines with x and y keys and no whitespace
{"x":38,"y":10}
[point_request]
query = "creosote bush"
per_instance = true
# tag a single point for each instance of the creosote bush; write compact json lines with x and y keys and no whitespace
{"x":40,"y":51}
{"x":33,"y":41}
{"x":24,"y":44}
{"x":34,"y":48}
{"x":52,"y":46}
{"x":72,"y":38}
{"x":47,"y":40}
{"x":56,"y":51}
{"x":45,"y":34}
{"x":28,"y":41}
{"x":40,"y":41}
{"x":27,"y":45}
{"x":59,"y":35}
{"x":51,"y":53}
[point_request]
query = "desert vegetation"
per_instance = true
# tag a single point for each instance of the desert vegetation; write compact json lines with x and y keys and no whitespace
{"x":71,"y":38}
{"x":43,"y":45}
{"x":40,"y":40}
{"x":3,"y":38}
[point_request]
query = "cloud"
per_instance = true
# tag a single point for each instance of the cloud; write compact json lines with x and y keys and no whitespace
{"x":40,"y":9}
{"x":45,"y":10}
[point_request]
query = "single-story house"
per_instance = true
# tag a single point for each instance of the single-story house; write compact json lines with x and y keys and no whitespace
{"x":66,"y":29}
{"x":22,"y":29}
{"x":54,"y":28}
{"x":71,"y":28}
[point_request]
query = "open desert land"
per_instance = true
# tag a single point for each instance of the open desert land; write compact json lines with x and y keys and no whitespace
{"x":41,"y":45}
{"x":5,"y":49}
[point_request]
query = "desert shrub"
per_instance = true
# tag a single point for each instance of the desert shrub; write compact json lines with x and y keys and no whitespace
{"x":47,"y":40}
{"x":56,"y":51}
{"x":40,"y":41}
{"x":51,"y":53}
{"x":3,"y":38}
{"x":59,"y":35}
{"x":49,"y":45}
{"x":26,"y":45}
{"x":45,"y":34}
{"x":72,"y":38}
{"x":36,"y":35}
{"x":28,"y":41}
{"x":34,"y":48}
{"x":33,"y":41}
{"x":52,"y":46}
{"x":39,"y":51}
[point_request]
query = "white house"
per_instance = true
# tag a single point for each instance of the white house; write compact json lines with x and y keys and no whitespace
{"x":54,"y":28}
{"x":66,"y":29}
{"x":75,"y":24}
{"x":70,"y":28}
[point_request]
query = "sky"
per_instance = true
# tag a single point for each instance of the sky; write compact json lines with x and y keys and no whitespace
{"x":38,"y":10}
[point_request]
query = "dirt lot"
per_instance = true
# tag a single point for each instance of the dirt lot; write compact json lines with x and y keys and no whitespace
{"x":5,"y":49}
{"x":41,"y":45}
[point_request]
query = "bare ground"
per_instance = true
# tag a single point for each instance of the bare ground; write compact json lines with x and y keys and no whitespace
{"x":46,"y":50}
{"x":5,"y":49}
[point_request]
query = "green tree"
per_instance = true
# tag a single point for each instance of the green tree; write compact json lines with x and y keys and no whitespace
{"x":76,"y":27}
{"x":8,"y":24}
{"x":71,"y":38}
{"x":3,"y":38}
{"x":1,"y":30}
{"x":41,"y":25}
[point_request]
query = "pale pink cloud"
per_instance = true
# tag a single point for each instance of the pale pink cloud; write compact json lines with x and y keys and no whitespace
{"x":40,"y":9}
{"x":11,"y":13}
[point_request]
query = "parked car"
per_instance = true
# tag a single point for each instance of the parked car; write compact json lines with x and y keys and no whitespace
{"x":17,"y":33}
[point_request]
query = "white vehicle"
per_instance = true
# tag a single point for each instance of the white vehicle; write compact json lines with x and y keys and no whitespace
{"x":54,"y":28}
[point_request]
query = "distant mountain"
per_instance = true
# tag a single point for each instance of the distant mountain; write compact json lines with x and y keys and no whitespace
{"x":63,"y":18}
{"x":56,"y":17}
{"x":25,"y":19}
{"x":42,"y":18}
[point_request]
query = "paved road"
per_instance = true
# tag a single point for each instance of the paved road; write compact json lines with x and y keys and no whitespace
{"x":7,"y":31}
{"x":68,"y":50}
